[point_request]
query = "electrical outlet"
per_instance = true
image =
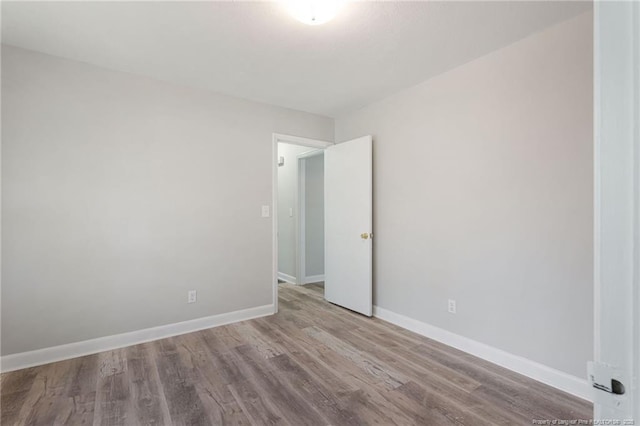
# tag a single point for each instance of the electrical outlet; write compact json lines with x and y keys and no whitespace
{"x":192,"y":296}
{"x":452,"y":306}
{"x":265,"y":211}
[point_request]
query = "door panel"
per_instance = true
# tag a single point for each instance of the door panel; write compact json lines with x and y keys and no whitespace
{"x":349,"y":224}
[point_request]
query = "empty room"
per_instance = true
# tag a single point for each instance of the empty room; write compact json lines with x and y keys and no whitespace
{"x":320,"y":212}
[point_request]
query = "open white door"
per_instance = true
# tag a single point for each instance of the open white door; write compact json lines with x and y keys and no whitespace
{"x":348,"y":190}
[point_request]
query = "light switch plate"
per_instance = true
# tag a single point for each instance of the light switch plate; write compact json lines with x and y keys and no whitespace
{"x":265,"y":211}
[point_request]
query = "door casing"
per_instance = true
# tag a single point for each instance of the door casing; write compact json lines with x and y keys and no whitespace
{"x":617,"y":205}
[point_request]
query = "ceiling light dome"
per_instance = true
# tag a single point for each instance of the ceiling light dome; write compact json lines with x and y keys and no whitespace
{"x":313,"y":12}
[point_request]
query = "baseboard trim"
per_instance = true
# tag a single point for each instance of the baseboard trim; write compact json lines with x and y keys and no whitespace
{"x":88,"y":347}
{"x":542,"y":373}
{"x":287,"y":278}
{"x":313,"y":279}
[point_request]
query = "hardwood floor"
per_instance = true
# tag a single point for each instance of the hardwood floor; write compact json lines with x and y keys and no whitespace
{"x":311,"y":364}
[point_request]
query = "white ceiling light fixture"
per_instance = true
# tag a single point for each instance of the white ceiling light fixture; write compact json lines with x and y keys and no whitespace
{"x":314,"y":12}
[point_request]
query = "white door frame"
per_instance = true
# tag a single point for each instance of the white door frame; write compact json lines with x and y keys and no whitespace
{"x":301,"y":231}
{"x":295,"y":140}
{"x":617,"y":207}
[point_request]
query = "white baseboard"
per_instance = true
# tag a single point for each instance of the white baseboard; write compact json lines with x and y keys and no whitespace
{"x":547,"y":375}
{"x":88,"y":347}
{"x":287,"y":278}
{"x":313,"y":279}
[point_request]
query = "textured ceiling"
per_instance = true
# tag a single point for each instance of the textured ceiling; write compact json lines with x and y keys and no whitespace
{"x":255,"y":50}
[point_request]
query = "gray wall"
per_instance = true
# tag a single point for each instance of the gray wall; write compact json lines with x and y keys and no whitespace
{"x":314,"y":209}
{"x":287,"y":199}
{"x":483,"y":194}
{"x":120,"y":193}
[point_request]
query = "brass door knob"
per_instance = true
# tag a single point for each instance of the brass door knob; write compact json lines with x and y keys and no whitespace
{"x":364,"y":235}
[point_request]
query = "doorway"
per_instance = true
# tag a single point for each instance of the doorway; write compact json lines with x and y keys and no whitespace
{"x":298,"y":210}
{"x":348,"y":221}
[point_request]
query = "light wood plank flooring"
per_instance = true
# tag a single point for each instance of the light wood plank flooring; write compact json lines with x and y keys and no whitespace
{"x":311,"y":364}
